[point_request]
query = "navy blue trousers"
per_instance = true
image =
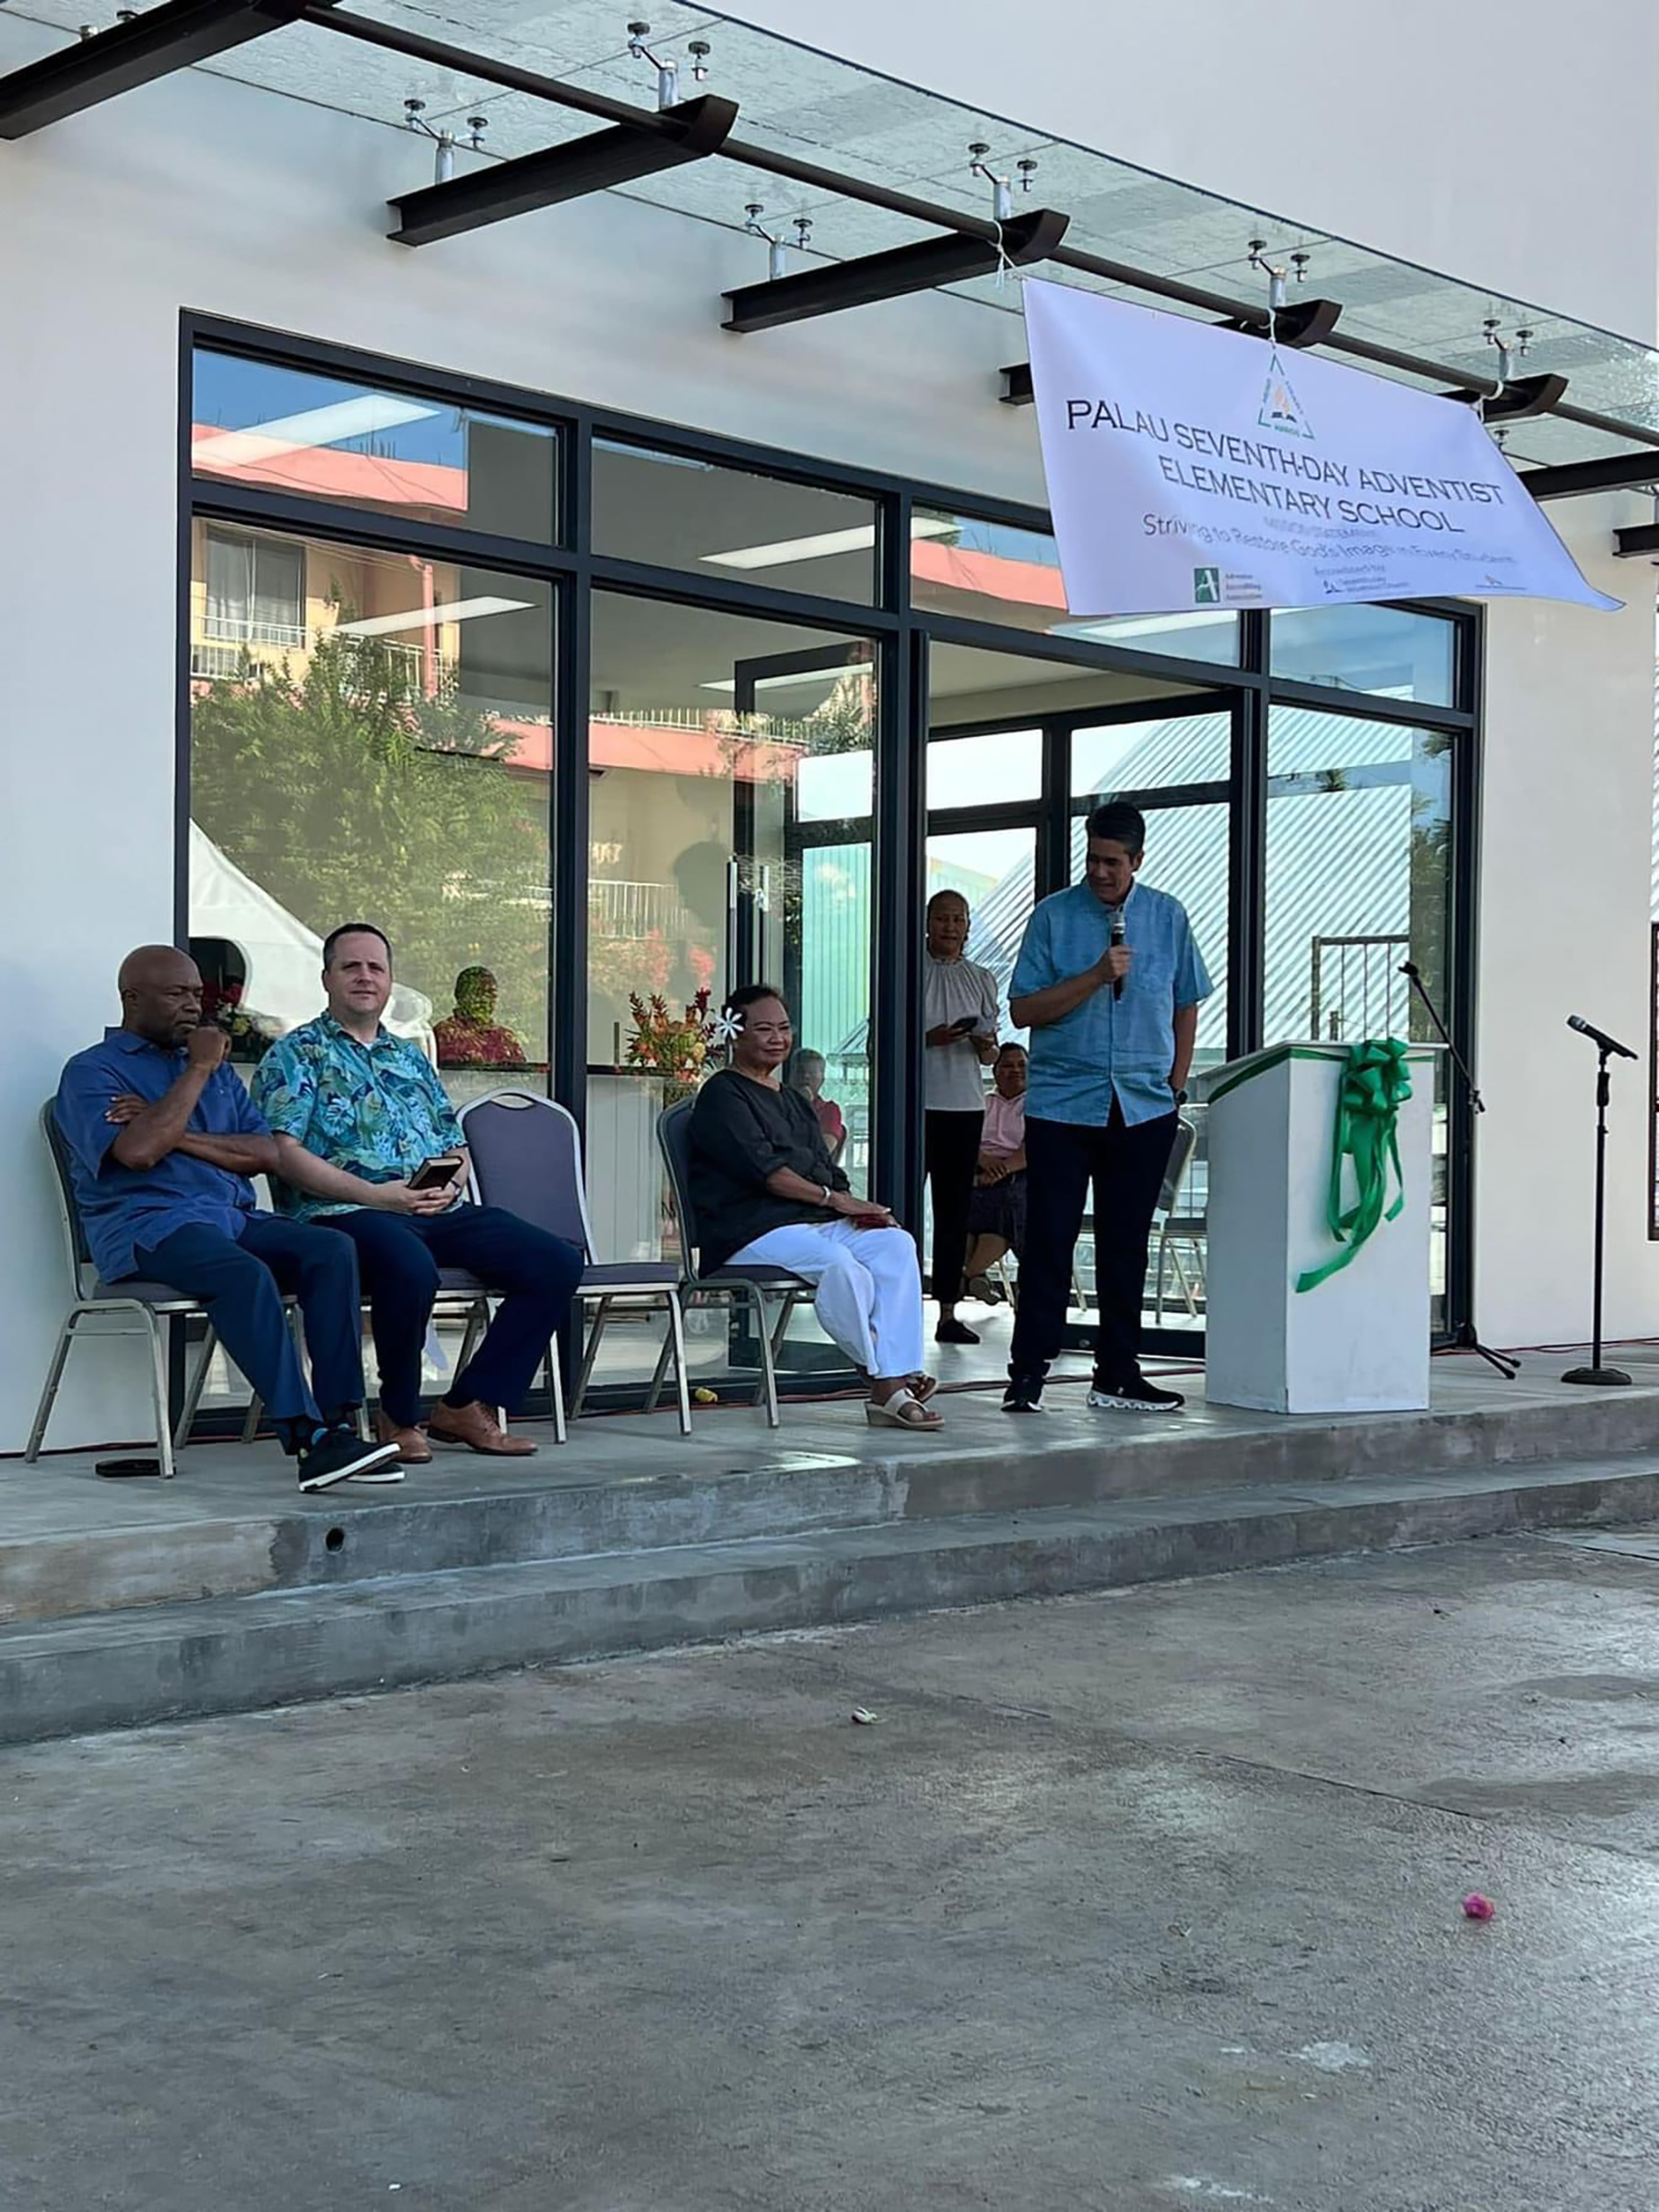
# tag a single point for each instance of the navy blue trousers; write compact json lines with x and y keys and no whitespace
{"x":241,"y":1281}
{"x":399,"y":1257}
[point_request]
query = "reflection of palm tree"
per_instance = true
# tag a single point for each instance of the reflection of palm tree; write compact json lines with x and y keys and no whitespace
{"x":341,"y":788}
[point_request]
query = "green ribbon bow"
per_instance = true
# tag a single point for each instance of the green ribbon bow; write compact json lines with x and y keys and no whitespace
{"x":1375,"y":1085}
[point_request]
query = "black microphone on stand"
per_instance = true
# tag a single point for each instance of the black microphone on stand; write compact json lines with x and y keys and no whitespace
{"x":1600,"y":1037}
{"x":1117,"y":939}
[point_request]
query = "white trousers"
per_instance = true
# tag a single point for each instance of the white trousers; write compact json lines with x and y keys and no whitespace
{"x":868,"y":1287}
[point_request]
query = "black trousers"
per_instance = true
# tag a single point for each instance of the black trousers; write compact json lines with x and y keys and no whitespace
{"x":952,"y":1149}
{"x":1126,"y":1164}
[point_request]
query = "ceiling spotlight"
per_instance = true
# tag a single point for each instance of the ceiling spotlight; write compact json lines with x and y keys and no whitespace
{"x":478,"y":126}
{"x":699,"y":51}
{"x":1027,"y":172}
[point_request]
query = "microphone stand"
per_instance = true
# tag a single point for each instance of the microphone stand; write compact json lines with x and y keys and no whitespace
{"x":1607,"y":1377}
{"x":1465,"y":1337}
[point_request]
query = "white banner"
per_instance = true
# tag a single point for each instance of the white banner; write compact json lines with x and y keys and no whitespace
{"x":1193,"y":466}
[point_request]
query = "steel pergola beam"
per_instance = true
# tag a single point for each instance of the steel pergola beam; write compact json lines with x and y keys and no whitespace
{"x":688,"y":133}
{"x":1521,"y":400}
{"x":1638,"y":544}
{"x":1572,"y":479}
{"x":154,"y":44}
{"x":1309,"y":323}
{"x":833,"y":287}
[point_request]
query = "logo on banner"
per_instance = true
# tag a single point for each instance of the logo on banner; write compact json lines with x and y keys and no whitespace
{"x":1207,"y":587}
{"x":1280,"y":409}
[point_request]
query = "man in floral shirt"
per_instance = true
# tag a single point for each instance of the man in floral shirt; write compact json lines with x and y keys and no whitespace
{"x":356,"y":1111}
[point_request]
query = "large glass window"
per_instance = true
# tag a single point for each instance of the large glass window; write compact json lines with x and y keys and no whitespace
{"x":706,"y":870}
{"x":361,"y":445}
{"x":960,"y":564}
{"x":372,"y":737}
{"x":737,"y":523}
{"x":1381,"y":649}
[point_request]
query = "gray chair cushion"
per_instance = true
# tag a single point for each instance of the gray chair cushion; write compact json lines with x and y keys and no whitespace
{"x":623,"y":1275}
{"x":770,"y":1278}
{"x":148,"y":1293}
{"x":460,"y":1282}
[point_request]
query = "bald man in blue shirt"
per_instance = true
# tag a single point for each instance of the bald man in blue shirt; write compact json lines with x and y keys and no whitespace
{"x":1109,"y":981}
{"x":164,"y":1144}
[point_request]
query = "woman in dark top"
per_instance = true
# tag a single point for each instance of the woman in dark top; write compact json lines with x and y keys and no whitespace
{"x":766,"y":1193}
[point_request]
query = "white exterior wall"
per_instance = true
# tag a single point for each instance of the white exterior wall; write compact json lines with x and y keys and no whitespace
{"x":203,"y":194}
{"x":1566,"y":867}
{"x":1519,"y":153}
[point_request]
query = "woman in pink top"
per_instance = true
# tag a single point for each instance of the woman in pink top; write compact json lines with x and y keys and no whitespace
{"x":997,"y":1210}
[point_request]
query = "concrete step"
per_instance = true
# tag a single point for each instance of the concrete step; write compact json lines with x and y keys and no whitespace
{"x":748,"y":1483}
{"x":227,"y":1654}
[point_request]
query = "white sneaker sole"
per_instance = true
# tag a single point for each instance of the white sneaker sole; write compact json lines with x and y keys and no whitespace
{"x":1103,"y":1402}
{"x":377,"y":1463}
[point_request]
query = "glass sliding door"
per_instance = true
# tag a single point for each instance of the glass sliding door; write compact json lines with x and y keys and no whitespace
{"x":1360,"y":858}
{"x":730,"y":765}
{"x":1177,"y":768}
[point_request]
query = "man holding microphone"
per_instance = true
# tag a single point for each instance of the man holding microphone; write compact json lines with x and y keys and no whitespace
{"x":1109,"y":982}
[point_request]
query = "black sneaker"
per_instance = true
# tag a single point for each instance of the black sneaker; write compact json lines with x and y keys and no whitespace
{"x":338,"y":1454}
{"x":1137,"y":1395}
{"x":953,"y":1332}
{"x":1024,"y":1395}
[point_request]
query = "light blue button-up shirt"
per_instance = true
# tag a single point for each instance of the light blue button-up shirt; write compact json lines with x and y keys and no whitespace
{"x":1108,"y":1047}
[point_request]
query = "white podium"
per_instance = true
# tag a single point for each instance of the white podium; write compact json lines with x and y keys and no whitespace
{"x":1358,"y":1341}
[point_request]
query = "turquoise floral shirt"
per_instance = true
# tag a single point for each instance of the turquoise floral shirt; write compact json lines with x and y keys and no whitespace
{"x":376,"y":1109}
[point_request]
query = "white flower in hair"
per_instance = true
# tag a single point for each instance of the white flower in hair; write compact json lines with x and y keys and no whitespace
{"x":728,"y":1027}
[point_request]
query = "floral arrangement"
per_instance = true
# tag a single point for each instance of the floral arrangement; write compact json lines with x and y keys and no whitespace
{"x":675,"y":1046}
{"x":251,"y":1039}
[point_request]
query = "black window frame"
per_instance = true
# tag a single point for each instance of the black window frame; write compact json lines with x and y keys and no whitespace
{"x":900,"y":638}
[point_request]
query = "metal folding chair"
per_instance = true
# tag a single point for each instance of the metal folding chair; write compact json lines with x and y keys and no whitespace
{"x":138,"y":1308}
{"x":1176,"y":1230}
{"x":526,"y":1156}
{"x":755,"y":1285}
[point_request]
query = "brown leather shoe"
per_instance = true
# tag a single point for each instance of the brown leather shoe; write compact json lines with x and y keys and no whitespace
{"x":475,"y":1426}
{"x":413,"y":1450}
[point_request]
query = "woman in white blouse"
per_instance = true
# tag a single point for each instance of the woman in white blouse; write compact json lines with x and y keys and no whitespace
{"x":958,"y":1004}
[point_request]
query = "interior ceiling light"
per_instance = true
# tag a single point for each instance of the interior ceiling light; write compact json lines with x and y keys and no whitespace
{"x":226,"y":450}
{"x":420,"y":617}
{"x":787,"y":683}
{"x":1108,"y":629}
{"x":821,"y":545}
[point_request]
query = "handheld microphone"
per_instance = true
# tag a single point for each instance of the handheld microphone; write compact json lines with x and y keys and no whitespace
{"x":1117,"y":939}
{"x":1599,"y":1037}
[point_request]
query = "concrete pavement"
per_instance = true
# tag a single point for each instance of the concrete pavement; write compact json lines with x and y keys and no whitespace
{"x":1129,"y":1901}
